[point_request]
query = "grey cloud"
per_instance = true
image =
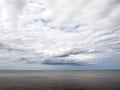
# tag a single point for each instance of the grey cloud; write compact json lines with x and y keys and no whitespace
{"x":27,"y":60}
{"x":19,"y":4}
{"x":10,"y":49}
{"x":116,"y":49}
{"x":45,"y":22}
{"x":72,"y":29}
{"x":77,"y":51}
{"x":73,"y":52}
{"x":62,"y":62}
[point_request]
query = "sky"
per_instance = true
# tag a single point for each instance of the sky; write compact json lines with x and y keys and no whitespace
{"x":59,"y":34}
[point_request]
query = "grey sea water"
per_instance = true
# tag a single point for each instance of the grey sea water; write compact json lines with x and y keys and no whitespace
{"x":59,"y":80}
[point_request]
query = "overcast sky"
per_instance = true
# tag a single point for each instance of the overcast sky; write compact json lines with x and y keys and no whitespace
{"x":59,"y":34}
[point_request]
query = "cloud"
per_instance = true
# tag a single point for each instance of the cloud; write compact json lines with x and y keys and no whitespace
{"x":59,"y":32}
{"x":63,"y":62}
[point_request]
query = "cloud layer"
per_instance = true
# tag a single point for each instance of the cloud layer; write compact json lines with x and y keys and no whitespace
{"x":59,"y":32}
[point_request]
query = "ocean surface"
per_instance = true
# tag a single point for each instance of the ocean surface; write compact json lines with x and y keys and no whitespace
{"x":59,"y":80}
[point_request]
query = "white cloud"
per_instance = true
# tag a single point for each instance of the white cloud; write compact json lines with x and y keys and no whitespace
{"x":41,"y":29}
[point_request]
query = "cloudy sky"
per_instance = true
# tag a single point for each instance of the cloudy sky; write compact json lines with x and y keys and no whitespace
{"x":59,"y":34}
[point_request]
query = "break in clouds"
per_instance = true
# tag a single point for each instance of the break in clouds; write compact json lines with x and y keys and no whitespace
{"x":59,"y":32}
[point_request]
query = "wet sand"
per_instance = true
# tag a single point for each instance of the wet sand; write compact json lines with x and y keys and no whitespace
{"x":59,"y":80}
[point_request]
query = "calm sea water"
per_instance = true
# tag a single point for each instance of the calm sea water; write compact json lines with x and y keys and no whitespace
{"x":59,"y":80}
